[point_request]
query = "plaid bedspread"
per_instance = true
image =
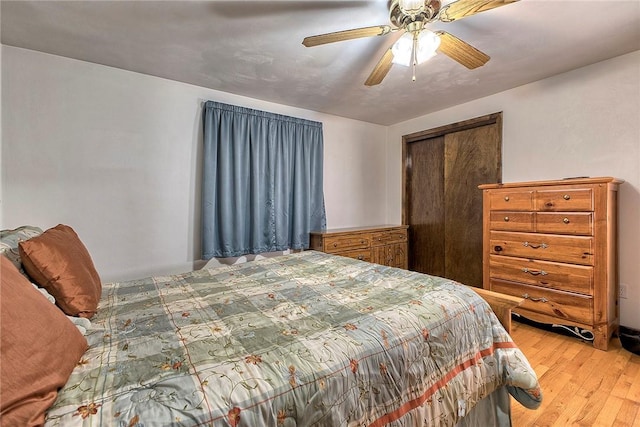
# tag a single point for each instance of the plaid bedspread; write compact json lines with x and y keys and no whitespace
{"x":299,"y":340}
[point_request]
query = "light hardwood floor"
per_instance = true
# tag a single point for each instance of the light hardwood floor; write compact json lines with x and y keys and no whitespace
{"x":581,"y":386}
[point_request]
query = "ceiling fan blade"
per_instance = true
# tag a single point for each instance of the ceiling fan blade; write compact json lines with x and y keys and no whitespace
{"x":338,"y":36}
{"x":461,"y":51}
{"x":463,"y":8}
{"x":381,"y":69}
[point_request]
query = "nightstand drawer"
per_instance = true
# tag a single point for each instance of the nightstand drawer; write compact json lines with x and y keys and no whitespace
{"x":512,"y":221}
{"x":572,"y":249}
{"x":564,"y":200}
{"x":565,"y":223}
{"x":508,"y":199}
{"x":387,"y":237}
{"x":562,"y":305}
{"x":564,"y":277}
{"x":334,"y":244}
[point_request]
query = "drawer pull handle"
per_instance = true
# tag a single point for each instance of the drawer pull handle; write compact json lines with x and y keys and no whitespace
{"x":360,"y":257}
{"x":526,"y":296}
{"x":566,"y":220}
{"x":566,"y":197}
{"x":534,"y":246}
{"x":506,"y":198}
{"x":335,"y":245}
{"x":535,"y":272}
{"x":506,"y":219}
{"x":549,"y":204}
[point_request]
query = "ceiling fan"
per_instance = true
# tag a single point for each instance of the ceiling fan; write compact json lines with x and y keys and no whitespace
{"x":417,"y":43}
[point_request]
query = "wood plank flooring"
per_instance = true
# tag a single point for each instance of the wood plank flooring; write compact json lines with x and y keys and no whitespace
{"x":581,"y":386}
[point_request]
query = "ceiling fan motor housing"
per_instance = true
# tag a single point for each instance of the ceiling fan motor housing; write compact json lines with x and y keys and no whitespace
{"x":401,"y":18}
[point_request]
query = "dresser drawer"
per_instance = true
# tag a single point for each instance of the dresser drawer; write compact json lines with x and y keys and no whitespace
{"x":387,"y":237}
{"x":564,"y":277}
{"x":509,"y":199}
{"x":334,"y":244}
{"x":565,"y":223}
{"x":563,"y":305}
{"x":580,"y":199}
{"x":572,"y":249}
{"x":512,"y":221}
{"x":362,"y":255}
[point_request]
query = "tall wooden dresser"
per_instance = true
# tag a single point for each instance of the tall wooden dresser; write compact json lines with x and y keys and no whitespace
{"x":553,"y":243}
{"x":385,"y":244}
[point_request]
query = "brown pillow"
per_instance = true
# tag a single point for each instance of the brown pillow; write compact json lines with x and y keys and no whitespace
{"x":59,"y":262}
{"x":39,"y":349}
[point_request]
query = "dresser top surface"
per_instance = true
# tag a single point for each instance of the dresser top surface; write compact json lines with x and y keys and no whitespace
{"x":566,"y":181}
{"x":362,"y":229}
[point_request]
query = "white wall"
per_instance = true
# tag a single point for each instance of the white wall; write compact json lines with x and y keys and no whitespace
{"x":117,"y":154}
{"x":582,"y":123}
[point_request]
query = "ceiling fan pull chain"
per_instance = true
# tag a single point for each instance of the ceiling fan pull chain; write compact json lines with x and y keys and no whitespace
{"x":414,"y":53}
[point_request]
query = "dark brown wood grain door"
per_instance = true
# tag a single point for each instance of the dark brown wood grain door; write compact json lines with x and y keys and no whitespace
{"x":441,"y":201}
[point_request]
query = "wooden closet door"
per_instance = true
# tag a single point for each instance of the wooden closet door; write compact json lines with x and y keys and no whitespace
{"x":442,"y":203}
{"x":425,"y":210}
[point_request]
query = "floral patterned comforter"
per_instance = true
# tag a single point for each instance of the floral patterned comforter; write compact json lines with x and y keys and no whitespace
{"x":307,"y":339}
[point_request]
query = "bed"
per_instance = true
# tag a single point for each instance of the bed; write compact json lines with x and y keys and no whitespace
{"x":306,"y":339}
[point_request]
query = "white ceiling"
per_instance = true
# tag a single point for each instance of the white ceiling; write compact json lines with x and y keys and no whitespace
{"x":253,"y":48}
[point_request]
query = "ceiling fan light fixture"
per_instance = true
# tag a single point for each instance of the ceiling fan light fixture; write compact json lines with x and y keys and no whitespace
{"x":428,"y":43}
{"x":402,"y":50}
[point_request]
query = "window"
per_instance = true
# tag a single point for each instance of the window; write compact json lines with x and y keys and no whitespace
{"x":262,"y":181}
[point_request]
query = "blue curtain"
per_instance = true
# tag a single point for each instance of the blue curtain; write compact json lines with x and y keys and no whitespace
{"x":262,"y":181}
